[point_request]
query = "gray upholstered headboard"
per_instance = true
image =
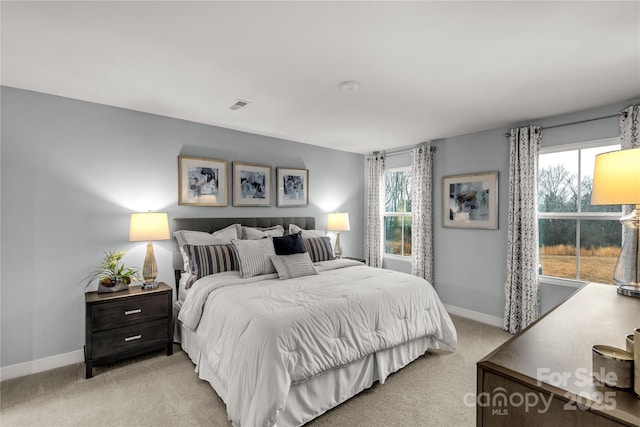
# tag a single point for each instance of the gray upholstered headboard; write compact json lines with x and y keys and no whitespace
{"x":212,"y":224}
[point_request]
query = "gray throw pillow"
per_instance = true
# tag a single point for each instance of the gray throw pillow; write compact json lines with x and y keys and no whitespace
{"x":254,"y":256}
{"x":295,"y":265}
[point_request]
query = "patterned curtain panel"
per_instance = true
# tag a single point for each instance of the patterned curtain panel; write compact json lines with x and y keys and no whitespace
{"x":522,"y":294}
{"x":373,"y":245}
{"x":422,"y":212}
{"x":629,"y":128}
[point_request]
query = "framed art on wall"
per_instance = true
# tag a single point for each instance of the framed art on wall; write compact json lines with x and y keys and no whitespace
{"x":470,"y":201}
{"x":251,"y":184}
{"x":202,"y":182}
{"x":293,"y":187}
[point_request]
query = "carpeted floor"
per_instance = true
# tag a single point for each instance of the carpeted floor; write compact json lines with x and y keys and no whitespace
{"x":157,"y":390}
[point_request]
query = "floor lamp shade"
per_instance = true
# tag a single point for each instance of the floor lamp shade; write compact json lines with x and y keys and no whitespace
{"x":338,"y":222}
{"x":149,"y":226}
{"x":616,"y":181}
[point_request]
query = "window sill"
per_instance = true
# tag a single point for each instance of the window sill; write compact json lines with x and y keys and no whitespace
{"x":556,"y":281}
{"x":397,"y":257}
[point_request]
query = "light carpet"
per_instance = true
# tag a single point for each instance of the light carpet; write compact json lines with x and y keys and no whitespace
{"x":157,"y":390}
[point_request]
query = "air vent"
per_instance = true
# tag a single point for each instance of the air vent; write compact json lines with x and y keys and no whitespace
{"x":238,"y":105}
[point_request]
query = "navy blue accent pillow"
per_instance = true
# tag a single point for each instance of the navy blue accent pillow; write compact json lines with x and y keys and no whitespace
{"x":289,"y":244}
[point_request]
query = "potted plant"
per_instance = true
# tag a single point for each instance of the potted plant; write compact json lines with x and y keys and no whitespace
{"x":113,"y":276}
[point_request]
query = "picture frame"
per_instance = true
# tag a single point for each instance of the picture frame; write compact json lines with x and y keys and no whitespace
{"x":293,"y":187}
{"x":470,"y":201}
{"x":202,"y":181}
{"x":251,"y":184}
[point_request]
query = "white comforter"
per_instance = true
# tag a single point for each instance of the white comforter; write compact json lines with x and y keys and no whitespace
{"x":261,"y":335}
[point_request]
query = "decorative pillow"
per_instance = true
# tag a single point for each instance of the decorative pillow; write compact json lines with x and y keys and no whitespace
{"x":254,"y":233}
{"x":202,"y":238}
{"x":319,"y":249}
{"x":289,"y":244}
{"x":306,"y":233}
{"x":211,"y":259}
{"x":253,"y":256}
{"x":294,"y":265}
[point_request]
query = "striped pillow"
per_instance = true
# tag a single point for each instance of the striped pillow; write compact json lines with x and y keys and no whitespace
{"x":295,"y":265}
{"x":319,"y":249}
{"x":211,"y":259}
{"x":253,"y":256}
{"x":202,"y":238}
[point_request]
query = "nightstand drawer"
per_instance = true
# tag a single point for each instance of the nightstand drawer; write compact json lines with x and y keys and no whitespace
{"x":129,"y":311}
{"x":130,"y":337}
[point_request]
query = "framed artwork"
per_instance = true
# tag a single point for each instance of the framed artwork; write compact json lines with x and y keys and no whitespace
{"x":470,"y":201}
{"x":251,"y":184}
{"x":202,"y":182}
{"x":293,"y":187}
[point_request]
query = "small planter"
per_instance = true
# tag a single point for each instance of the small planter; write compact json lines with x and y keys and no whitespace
{"x":113,"y":276}
{"x":108,"y":285}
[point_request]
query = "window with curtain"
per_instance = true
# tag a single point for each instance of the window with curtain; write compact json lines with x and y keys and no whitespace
{"x":577,"y":241}
{"x":397,"y":212}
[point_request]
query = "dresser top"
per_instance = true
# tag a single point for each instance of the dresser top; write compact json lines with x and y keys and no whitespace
{"x":554,"y":354}
{"x":133,"y":290}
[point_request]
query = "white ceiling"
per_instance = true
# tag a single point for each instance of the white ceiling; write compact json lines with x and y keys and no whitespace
{"x":426,"y":70}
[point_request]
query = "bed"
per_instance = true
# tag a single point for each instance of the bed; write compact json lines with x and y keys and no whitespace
{"x":282,"y":346}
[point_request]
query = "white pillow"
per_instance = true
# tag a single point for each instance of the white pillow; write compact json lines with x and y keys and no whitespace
{"x":254,"y":256}
{"x":254,"y":233}
{"x":294,"y":265}
{"x":293,"y":229}
{"x":202,"y":238}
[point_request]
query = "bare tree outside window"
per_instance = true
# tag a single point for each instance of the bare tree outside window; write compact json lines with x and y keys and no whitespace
{"x":577,"y":240}
{"x":397,"y":216}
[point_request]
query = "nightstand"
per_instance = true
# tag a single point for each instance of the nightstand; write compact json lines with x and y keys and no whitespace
{"x":125,"y":324}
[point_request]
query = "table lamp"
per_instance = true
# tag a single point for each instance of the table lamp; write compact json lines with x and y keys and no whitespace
{"x":338,"y":222}
{"x":149,"y":226}
{"x":616,"y":181}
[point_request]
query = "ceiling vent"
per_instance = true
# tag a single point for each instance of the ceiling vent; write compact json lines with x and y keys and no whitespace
{"x":239,"y":104}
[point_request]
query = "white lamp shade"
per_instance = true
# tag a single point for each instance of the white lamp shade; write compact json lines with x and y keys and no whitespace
{"x":149,"y":226}
{"x":616,"y":178}
{"x":338,"y":222}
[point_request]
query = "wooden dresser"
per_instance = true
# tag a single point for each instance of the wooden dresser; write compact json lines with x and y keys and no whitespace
{"x":126,"y":324}
{"x":542,"y":376}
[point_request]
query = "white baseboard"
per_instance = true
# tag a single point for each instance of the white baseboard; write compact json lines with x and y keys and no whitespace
{"x":475,"y":315}
{"x":39,"y":365}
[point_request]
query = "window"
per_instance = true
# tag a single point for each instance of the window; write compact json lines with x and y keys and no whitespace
{"x":397,"y":212}
{"x":578,"y":241}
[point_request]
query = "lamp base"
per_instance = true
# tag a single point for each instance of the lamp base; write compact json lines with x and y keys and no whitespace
{"x":627,"y":271}
{"x":337,"y":250}
{"x":629,"y":290}
{"x":150,"y":285}
{"x":149,"y":268}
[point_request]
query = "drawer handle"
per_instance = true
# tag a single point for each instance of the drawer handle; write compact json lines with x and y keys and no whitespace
{"x":132,"y":338}
{"x":136,"y":311}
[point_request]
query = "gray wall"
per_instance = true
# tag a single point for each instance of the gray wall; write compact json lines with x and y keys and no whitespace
{"x":470,"y":265}
{"x":71,"y":174}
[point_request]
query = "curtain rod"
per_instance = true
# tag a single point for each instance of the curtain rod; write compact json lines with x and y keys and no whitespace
{"x":402,"y":150}
{"x":579,"y":122}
